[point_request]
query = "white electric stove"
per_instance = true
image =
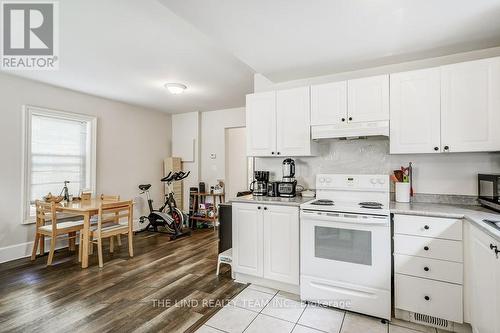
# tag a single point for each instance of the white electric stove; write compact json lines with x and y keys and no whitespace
{"x":346,"y":244}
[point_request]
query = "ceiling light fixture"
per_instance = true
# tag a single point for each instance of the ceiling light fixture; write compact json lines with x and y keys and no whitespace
{"x":175,"y":88}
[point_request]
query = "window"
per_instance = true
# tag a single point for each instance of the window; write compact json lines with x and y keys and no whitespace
{"x":59,"y":146}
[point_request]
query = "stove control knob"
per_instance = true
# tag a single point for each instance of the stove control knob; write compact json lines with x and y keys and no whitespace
{"x":322,"y":180}
{"x":328,"y":180}
{"x":381,"y":181}
{"x":373,"y":181}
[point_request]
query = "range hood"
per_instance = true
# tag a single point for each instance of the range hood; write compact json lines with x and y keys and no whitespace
{"x":350,"y":130}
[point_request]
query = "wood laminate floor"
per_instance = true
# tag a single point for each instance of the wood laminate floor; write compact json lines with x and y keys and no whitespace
{"x":129,"y":294}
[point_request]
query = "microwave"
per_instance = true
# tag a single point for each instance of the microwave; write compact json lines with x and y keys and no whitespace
{"x":488,"y":190}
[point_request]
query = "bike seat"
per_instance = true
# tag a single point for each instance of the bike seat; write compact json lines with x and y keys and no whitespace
{"x":144,"y":187}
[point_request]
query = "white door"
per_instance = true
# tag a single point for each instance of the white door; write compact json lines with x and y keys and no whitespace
{"x":484,"y":264}
{"x":281,"y":244}
{"x":247,"y":239}
{"x":293,"y":122}
{"x":261,"y":124}
{"x":470,"y":104}
{"x":329,"y":103}
{"x":368,"y":99}
{"x":236,"y":161}
{"x":415,"y":103}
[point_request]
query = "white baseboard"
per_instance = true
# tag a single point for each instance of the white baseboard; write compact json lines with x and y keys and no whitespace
{"x":23,"y":250}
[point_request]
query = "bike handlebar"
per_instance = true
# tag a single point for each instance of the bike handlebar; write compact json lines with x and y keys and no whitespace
{"x":176,"y":176}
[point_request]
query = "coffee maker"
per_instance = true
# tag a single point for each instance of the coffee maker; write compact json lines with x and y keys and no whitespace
{"x":288,"y":186}
{"x":259,"y":185}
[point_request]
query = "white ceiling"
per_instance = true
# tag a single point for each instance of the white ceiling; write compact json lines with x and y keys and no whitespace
{"x":128,"y":49}
{"x":292,"y":39}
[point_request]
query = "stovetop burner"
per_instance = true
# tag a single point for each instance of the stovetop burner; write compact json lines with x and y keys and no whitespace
{"x":371,"y":205}
{"x":323,"y":202}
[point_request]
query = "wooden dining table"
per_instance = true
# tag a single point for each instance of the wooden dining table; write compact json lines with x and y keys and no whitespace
{"x":85,"y":208}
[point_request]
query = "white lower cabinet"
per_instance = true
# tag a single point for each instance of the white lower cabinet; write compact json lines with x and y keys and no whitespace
{"x":247,"y":234}
{"x":484,"y":289}
{"x":428,"y":268}
{"x":429,"y":297}
{"x":266,"y":241}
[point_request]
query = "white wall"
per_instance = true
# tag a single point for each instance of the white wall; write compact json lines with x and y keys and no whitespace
{"x":213,"y":125}
{"x":186,"y":144}
{"x":433,"y":173}
{"x":131,"y":144}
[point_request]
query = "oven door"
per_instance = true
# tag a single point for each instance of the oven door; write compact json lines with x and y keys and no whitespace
{"x":346,"y":261}
{"x":344,"y":247}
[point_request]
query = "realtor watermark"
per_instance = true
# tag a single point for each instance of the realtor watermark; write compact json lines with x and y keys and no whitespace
{"x":30,"y":35}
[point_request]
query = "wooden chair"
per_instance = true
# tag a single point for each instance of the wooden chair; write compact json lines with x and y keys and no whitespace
{"x":86,"y":196}
{"x":111,"y":223}
{"x":103,"y":197}
{"x":47,"y":212}
{"x":106,"y":197}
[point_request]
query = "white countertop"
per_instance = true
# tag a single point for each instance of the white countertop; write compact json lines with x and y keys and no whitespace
{"x":473,"y":214}
{"x":297,"y":201}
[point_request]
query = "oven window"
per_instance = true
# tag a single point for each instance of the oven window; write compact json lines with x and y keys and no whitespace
{"x":354,"y":246}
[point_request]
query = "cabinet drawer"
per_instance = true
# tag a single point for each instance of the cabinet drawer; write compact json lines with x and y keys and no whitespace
{"x":433,"y":298}
{"x":428,"y":247}
{"x":428,"y":226}
{"x":435,"y":269}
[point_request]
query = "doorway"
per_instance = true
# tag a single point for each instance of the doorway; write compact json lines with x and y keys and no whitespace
{"x":237,"y":162}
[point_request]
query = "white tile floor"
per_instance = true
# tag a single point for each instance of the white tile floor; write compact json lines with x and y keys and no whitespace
{"x":260,"y":309}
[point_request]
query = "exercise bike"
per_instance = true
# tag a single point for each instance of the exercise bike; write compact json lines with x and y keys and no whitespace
{"x":167,"y":216}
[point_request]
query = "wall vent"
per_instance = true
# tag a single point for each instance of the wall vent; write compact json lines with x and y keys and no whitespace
{"x":430,"y":320}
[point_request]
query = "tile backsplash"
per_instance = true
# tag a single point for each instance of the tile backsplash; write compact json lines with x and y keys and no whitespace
{"x":433,"y":173}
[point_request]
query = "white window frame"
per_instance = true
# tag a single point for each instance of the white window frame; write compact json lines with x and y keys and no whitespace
{"x":28,"y":112}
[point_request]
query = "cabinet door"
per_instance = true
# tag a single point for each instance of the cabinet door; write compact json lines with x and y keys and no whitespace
{"x":415,"y":103}
{"x":281,"y":244}
{"x":484,"y":305}
{"x":247,"y":239}
{"x":368,"y":99}
{"x":261,"y":124}
{"x":329,"y":103}
{"x":293,"y":122}
{"x":470,"y":104}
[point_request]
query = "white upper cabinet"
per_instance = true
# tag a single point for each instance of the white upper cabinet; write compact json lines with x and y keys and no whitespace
{"x":415,"y":112}
{"x":470,"y":106}
{"x":368,"y":99}
{"x":329,"y":103}
{"x":278,"y":123}
{"x":293,"y":132}
{"x":261,"y":124}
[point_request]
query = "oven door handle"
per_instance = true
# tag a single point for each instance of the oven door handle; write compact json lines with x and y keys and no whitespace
{"x":346,"y":218}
